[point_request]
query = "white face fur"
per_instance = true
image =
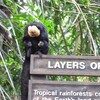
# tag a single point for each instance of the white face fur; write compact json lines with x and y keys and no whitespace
{"x":33,"y":31}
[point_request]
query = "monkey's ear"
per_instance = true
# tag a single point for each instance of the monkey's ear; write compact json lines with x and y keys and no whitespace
{"x":33,"y":31}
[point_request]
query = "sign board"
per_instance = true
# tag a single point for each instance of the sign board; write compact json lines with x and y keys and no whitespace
{"x":50,"y":90}
{"x":40,"y":89}
{"x":65,"y":65}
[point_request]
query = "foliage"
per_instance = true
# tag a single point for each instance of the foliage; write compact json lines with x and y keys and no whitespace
{"x":73,"y":27}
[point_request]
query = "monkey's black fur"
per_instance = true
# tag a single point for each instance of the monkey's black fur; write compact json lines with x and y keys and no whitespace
{"x":31,"y":47}
{"x":31,"y":43}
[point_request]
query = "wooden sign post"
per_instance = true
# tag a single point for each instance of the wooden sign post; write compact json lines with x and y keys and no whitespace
{"x":42,"y":89}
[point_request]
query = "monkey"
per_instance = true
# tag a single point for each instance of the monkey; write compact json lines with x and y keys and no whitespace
{"x":36,"y":41}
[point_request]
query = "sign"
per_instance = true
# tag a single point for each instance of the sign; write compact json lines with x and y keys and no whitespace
{"x":51,"y":90}
{"x":40,"y":89}
{"x":65,"y":65}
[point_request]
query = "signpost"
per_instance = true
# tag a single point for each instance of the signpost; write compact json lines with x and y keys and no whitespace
{"x":40,"y":89}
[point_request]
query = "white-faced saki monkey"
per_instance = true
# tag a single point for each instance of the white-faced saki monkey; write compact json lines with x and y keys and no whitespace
{"x":36,"y":41}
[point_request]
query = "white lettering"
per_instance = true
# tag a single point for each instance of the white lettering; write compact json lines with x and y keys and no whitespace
{"x":67,"y":65}
{"x":49,"y":64}
{"x":57,"y":65}
{"x":98,"y":65}
{"x":82,"y":65}
{"x":97,"y":94}
{"x":62,"y":64}
{"x":75,"y":65}
{"x":95,"y":65}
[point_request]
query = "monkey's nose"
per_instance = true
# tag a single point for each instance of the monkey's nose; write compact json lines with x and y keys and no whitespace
{"x":32,"y":34}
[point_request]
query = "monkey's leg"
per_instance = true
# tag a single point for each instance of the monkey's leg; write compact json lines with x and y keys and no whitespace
{"x":28,"y":52}
{"x":39,"y":53}
{"x":28,"y":49}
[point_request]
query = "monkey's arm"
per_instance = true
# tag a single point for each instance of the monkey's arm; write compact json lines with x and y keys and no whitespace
{"x":28,"y":44}
{"x":44,"y":46}
{"x":27,"y":41}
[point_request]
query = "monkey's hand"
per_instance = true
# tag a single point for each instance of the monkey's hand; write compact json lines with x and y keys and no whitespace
{"x":29,"y":44}
{"x":41,"y":44}
{"x":27,"y":41}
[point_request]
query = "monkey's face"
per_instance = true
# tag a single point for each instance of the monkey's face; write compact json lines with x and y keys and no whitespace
{"x":33,"y":31}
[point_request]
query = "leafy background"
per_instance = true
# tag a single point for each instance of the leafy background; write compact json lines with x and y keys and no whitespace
{"x":73,"y":27}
